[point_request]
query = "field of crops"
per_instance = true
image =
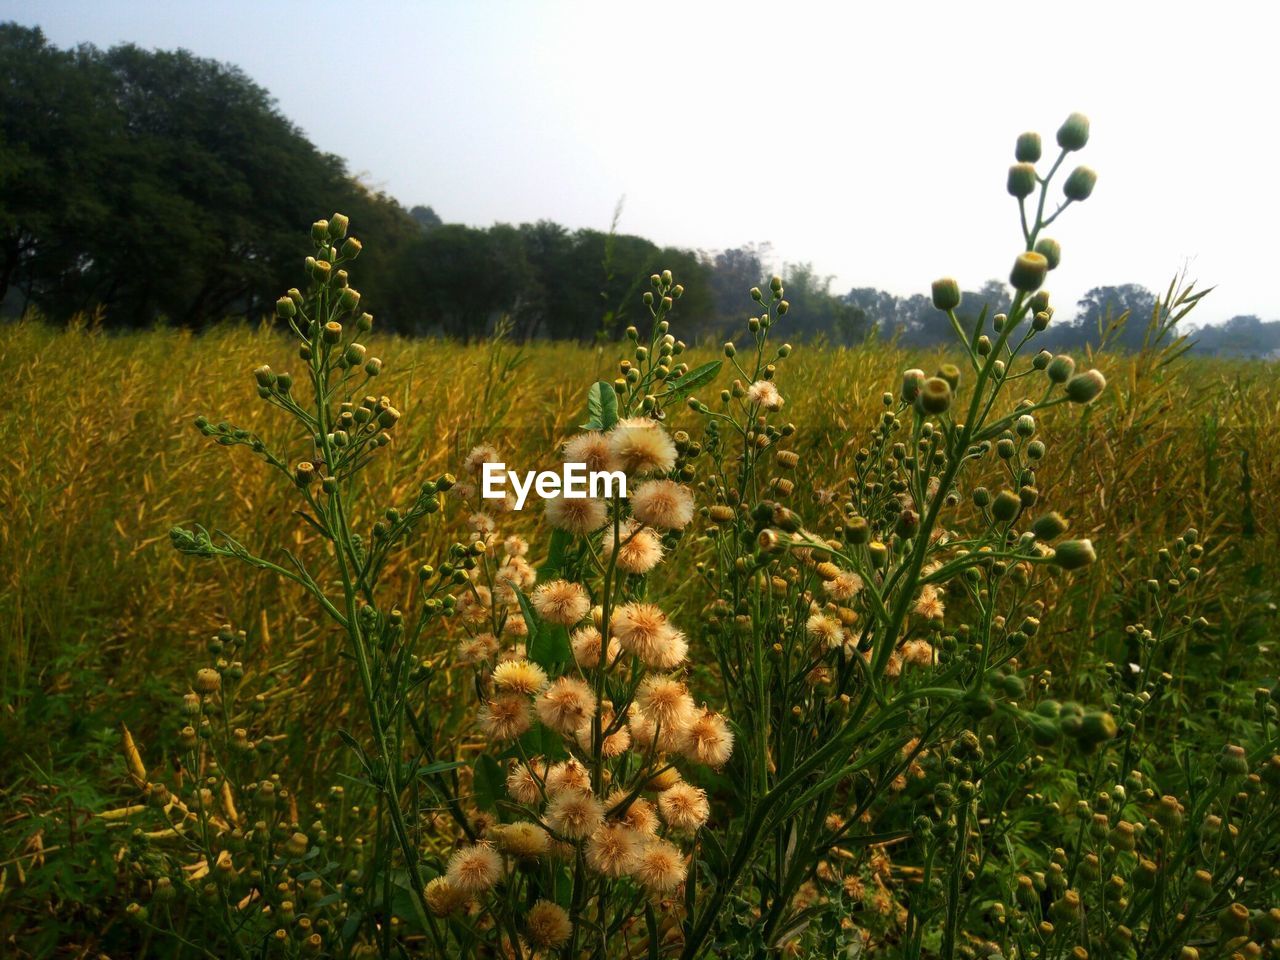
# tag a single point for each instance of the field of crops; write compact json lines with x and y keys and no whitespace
{"x":106,"y":627}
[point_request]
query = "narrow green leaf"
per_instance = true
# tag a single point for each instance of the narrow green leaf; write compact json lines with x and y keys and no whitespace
{"x":692,"y":380}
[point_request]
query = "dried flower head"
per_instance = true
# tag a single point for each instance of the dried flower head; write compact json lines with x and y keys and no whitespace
{"x":523,"y":782}
{"x":641,"y":447}
{"x":474,"y":868}
{"x":586,"y":647}
{"x":573,"y":814}
{"x":643,"y":630}
{"x":664,"y":504}
{"x":519,"y":676}
{"x":659,"y":866}
{"x":639,"y":549}
{"x":443,"y":898}
{"x":472,"y":650}
{"x":561,"y":602}
{"x":506,"y":717}
{"x":577,"y":515}
{"x":612,"y":849}
{"x":547,"y":925}
{"x":591,"y":448}
{"x":568,"y":775}
{"x":635,"y":811}
{"x":845,"y":585}
{"x":708,"y":739}
{"x":826,"y":630}
{"x":665,"y":701}
{"x":566,"y":704}
{"x":522,"y":839}
{"x":765,"y":394}
{"x":684,"y":807}
{"x":480,"y":455}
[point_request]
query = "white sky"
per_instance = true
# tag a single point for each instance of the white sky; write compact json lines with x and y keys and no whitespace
{"x":871,"y":140}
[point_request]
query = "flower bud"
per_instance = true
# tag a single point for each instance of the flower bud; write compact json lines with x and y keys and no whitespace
{"x":351,"y":248}
{"x":1051,"y":250}
{"x":934,"y":396}
{"x":1028,"y":271}
{"x":338,"y":226}
{"x":1050,"y":526}
{"x":911,"y":381}
{"x":320,"y":231}
{"x":1006,"y":506}
{"x":286,"y":308}
{"x":1074,"y":132}
{"x":1027,"y":149}
{"x":1022,"y":180}
{"x":332,"y":331}
{"x":946,"y":294}
{"x":1061,"y":368}
{"x":1086,"y":387}
{"x":1079,"y":183}
{"x":373,"y":367}
{"x":1074,"y":554}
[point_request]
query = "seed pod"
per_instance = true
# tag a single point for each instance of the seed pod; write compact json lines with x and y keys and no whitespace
{"x":1029,"y":271}
{"x":1022,"y":181}
{"x":1079,"y":183}
{"x":1074,"y":132}
{"x":1027,"y":149}
{"x":946,"y":294}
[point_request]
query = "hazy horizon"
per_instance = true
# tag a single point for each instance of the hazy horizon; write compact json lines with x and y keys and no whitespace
{"x":872,"y":145}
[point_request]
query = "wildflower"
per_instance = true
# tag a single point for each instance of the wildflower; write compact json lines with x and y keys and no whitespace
{"x":642,"y":447}
{"x":519,"y":571}
{"x":577,"y":515}
{"x":845,"y":585}
{"x":664,"y":504}
{"x":568,"y":775}
{"x":1029,"y":271}
{"x":574,"y":815}
{"x":547,"y":925}
{"x":826,"y":630}
{"x":929,"y":604}
{"x":479,"y":456}
{"x":1086,"y":387}
{"x":612,"y":849}
{"x":614,"y":744}
{"x":522,"y":784}
{"x":918,"y":653}
{"x":638,"y":813}
{"x":523,"y":839}
{"x":644,"y":631}
{"x":561,"y":602}
{"x":519,"y":676}
{"x":472,"y":650}
{"x":474,"y":868}
{"x":566,"y":704}
{"x":481,"y":523}
{"x":475,"y":603}
{"x":765,"y":394}
{"x":709,"y":740}
{"x":586,"y":647}
{"x":591,"y":448}
{"x":639,"y":549}
{"x":443,"y":898}
{"x":946,"y":295}
{"x":659,"y":866}
{"x":506,"y":717}
{"x":666,"y":702}
{"x":684,"y":807}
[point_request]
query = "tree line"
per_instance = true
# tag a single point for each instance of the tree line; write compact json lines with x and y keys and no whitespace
{"x":158,"y":186}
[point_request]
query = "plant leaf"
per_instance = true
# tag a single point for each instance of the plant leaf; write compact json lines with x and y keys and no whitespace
{"x":692,"y":380}
{"x":602,"y":407}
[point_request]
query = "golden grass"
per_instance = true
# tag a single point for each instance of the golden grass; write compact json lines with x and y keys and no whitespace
{"x":100,"y":460}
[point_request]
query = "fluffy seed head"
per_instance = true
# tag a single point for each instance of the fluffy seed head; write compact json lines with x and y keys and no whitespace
{"x":578,"y":516}
{"x":574,"y":815}
{"x":506,"y":717}
{"x":665,"y":701}
{"x":641,"y":447}
{"x":523,"y":839}
{"x":473,"y":650}
{"x":561,"y":602}
{"x":845,"y":585}
{"x":480,"y":455}
{"x":474,"y":868}
{"x":684,"y":807}
{"x":443,"y":898}
{"x":613,"y":745}
{"x":547,"y":925}
{"x":659,"y":866}
{"x":764,"y":393}
{"x":522,"y":784}
{"x":612,"y":849}
{"x":519,"y":676}
{"x":664,"y":504}
{"x":643,"y":630}
{"x":565,"y":704}
{"x":638,"y":814}
{"x":591,"y":448}
{"x":709,"y":740}
{"x":568,"y":775}
{"x":826,"y":630}
{"x":639,"y":549}
{"x":586,"y":647}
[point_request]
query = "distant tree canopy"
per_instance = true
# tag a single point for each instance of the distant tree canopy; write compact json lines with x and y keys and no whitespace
{"x":161,"y":186}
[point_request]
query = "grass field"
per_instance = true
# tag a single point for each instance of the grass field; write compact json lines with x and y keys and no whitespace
{"x":102,"y":623}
